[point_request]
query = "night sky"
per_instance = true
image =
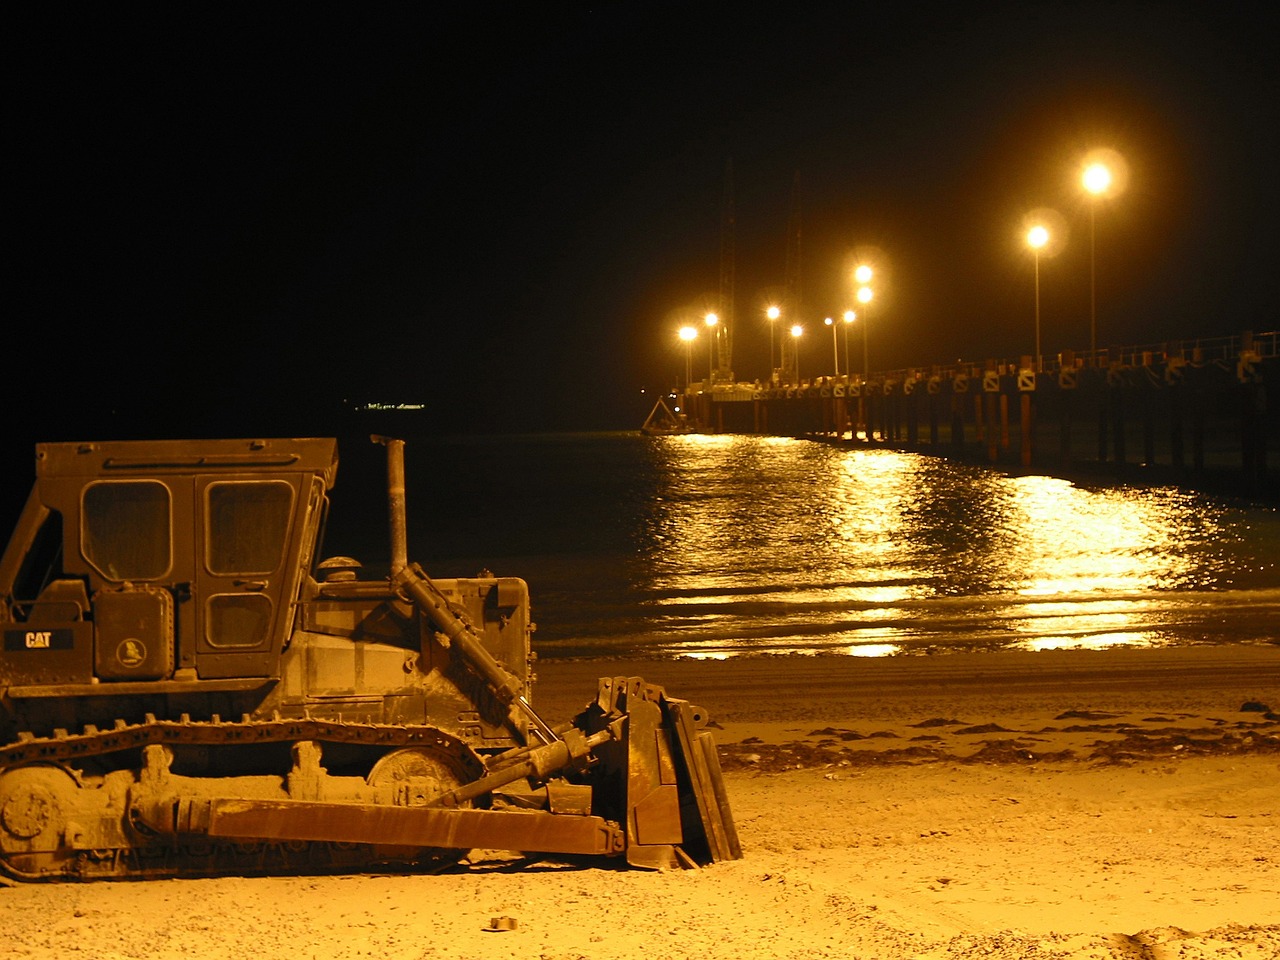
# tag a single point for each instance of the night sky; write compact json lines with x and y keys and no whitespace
{"x":234,"y":219}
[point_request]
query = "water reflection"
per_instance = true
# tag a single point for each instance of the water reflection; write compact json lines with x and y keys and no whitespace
{"x":1095,"y":642}
{"x":779,"y":545}
{"x":1061,"y":539}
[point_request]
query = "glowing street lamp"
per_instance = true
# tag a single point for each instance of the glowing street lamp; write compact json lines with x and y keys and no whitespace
{"x":1037,"y":237}
{"x":711,"y":321}
{"x":835,"y":356}
{"x":1097,"y":180}
{"x":773,"y":313}
{"x":688,"y":335}
{"x":796,"y":331}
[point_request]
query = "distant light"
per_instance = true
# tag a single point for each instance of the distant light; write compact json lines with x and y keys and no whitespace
{"x":850,"y":316}
{"x":773,"y":313}
{"x":712,"y":319}
{"x":383,"y":405}
{"x":796,"y":330}
{"x":688,"y":333}
{"x":865,"y":294}
{"x":829,"y":322}
{"x":1037,"y":237}
{"x":1097,"y":178}
{"x":863,"y":274}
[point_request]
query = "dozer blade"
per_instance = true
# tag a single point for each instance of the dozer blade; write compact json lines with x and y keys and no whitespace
{"x":675,"y":808}
{"x":697,"y":748}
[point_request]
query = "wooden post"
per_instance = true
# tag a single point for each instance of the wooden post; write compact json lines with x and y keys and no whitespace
{"x":1024,"y":414}
{"x":1148,"y":425}
{"x":1103,"y":444}
{"x":1066,"y":397}
{"x":1004,"y":421}
{"x":1176,"y":456}
{"x":1115,"y":395}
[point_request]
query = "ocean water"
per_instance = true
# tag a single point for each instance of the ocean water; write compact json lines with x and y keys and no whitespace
{"x":718,"y":546}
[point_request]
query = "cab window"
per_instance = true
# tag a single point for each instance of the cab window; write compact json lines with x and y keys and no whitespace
{"x":238,"y":620}
{"x":248,"y":526}
{"x":125,"y":529}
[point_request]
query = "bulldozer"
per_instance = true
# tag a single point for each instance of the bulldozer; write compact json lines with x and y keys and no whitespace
{"x":188,"y":687}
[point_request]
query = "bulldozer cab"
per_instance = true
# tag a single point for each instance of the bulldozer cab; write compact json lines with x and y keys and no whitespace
{"x":152,"y":561}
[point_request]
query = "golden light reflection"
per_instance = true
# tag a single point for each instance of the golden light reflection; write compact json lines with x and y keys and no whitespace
{"x":1100,"y":641}
{"x":873,"y":650}
{"x":1075,"y":546}
{"x":870,"y":494}
{"x":771,"y":544}
{"x":1064,"y":540}
{"x":702,"y":440}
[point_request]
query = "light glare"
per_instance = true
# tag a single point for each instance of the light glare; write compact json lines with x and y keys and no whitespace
{"x":1037,"y":237}
{"x":1097,"y":178}
{"x":1104,"y":172}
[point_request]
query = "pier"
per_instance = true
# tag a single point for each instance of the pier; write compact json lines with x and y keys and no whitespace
{"x":1202,"y":413}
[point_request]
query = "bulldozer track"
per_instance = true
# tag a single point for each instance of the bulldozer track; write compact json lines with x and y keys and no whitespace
{"x":64,"y":746}
{"x":209,"y":856}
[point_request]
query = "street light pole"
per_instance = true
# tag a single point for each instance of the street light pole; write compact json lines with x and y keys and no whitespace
{"x":688,"y":335}
{"x":835,"y":355}
{"x":849,"y":317}
{"x":864,"y":297}
{"x":1096,"y":180}
{"x":1037,"y":237}
{"x":772,"y":313}
{"x":711,"y":321}
{"x":796,"y":330}
{"x":863,"y":275}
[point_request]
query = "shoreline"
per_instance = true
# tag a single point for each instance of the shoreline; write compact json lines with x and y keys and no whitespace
{"x":758,"y":686}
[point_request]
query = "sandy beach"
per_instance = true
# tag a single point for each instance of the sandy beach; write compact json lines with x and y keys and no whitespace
{"x":1092,"y":804}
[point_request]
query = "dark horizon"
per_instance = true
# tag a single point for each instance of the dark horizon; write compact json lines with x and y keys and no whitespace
{"x":238,"y":222}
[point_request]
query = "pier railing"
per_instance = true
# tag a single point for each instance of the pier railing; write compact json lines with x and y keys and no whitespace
{"x":1197,"y":408}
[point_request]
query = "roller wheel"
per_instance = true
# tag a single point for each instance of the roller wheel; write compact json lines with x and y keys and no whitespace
{"x":35,"y":803}
{"x":419,"y":775}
